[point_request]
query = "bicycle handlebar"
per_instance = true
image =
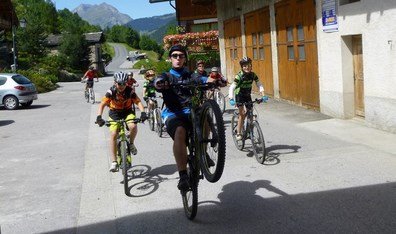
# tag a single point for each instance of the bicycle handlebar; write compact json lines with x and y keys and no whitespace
{"x":108,"y":122}
{"x":203,"y":86}
{"x":257,"y":100}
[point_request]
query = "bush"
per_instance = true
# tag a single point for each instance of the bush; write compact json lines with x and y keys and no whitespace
{"x":43,"y":82}
{"x":159,"y":66}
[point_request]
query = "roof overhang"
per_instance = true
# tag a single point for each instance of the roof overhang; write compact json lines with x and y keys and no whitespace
{"x":156,"y":1}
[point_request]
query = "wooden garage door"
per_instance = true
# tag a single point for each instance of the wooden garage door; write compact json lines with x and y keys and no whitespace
{"x":233,"y":46}
{"x":297,"y":52}
{"x":258,"y":46}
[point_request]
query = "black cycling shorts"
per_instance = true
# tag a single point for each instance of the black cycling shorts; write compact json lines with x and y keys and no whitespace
{"x":122,"y":114}
{"x":243,"y":98}
{"x":175,"y":121}
{"x":90,"y":83}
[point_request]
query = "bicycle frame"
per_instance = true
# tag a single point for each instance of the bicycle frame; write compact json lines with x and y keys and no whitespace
{"x":250,"y":117}
{"x":122,"y":145}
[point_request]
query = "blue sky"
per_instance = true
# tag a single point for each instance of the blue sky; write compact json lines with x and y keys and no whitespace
{"x":134,"y":8}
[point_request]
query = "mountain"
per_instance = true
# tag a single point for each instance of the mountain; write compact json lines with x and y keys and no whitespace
{"x":103,"y":15}
{"x":106,"y":15}
{"x":158,"y":34}
{"x":150,"y":24}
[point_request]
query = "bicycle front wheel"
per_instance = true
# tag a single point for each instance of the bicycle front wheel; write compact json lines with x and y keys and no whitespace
{"x":213,"y":145}
{"x":151,"y":120}
{"x":124,"y":152}
{"x":240,"y":144}
{"x":258,"y":142}
{"x":219,"y":98}
{"x":158,"y":127}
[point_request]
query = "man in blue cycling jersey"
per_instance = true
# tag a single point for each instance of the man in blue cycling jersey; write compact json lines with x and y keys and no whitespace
{"x":177,"y":101}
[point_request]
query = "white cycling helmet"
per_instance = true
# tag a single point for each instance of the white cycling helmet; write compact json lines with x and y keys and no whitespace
{"x":120,"y":78}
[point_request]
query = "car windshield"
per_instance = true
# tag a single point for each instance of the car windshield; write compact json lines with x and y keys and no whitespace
{"x":21,"y":79}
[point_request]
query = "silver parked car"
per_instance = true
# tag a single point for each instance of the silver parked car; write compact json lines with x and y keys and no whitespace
{"x":16,"y":89}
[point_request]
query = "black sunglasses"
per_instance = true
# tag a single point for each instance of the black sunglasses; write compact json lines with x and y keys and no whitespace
{"x":121,"y":84}
{"x":175,"y":56}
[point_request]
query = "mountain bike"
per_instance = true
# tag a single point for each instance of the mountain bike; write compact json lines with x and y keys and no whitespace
{"x":206,"y":138}
{"x":124,"y":159}
{"x":152,"y":118}
{"x":89,"y":93}
{"x":251,"y":130}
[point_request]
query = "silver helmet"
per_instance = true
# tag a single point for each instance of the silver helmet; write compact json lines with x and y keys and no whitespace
{"x":120,"y":78}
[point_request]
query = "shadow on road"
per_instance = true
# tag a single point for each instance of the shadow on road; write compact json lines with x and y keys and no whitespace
{"x":261,"y":207}
{"x":6,"y":122}
{"x":36,"y":107}
{"x":144,"y":181}
{"x":273,"y":152}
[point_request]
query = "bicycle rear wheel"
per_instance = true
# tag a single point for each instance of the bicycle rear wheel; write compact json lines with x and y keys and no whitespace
{"x":190,"y":197}
{"x":213,"y":145}
{"x":86,"y":95}
{"x":123,"y":149}
{"x":258,"y":142}
{"x":240,"y":144}
{"x":219,"y":98}
{"x":92,"y":96}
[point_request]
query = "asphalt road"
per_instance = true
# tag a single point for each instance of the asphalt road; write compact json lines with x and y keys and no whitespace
{"x":324,"y":176}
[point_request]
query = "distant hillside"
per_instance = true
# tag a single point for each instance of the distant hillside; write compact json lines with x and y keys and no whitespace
{"x":103,"y":15}
{"x":106,"y":15}
{"x":150,"y":24}
{"x":158,"y":34}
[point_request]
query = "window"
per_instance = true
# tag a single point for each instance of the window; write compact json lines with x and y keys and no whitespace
{"x":290,"y":53}
{"x":255,"y":56}
{"x":289,"y":34}
{"x":262,"y":54}
{"x":261,"y":38}
{"x":2,"y":80}
{"x":254,"y":39}
{"x":301,"y":52}
{"x":300,"y":32}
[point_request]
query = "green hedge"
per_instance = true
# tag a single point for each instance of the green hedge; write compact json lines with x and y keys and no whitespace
{"x":158,"y":66}
{"x":43,"y":82}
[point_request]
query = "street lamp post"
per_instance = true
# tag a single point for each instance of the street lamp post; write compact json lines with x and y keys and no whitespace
{"x":22,"y":23}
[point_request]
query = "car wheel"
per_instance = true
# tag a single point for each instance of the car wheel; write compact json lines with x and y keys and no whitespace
{"x":11,"y":102}
{"x":27,"y":104}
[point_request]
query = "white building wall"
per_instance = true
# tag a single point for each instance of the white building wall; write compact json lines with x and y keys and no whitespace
{"x":376,"y":22}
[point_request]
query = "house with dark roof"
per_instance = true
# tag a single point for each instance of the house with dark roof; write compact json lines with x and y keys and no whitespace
{"x":95,"y":41}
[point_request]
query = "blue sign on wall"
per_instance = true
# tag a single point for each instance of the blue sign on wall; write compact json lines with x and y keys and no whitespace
{"x":329,"y":15}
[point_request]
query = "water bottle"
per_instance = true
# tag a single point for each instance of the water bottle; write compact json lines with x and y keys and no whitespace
{"x":264,"y":98}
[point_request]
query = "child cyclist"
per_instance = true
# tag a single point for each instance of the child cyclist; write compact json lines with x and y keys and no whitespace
{"x":131,"y":82}
{"x":120,"y":99}
{"x":242,"y":87}
{"x":149,"y":89}
{"x":218,"y":77}
{"x":90,"y":75}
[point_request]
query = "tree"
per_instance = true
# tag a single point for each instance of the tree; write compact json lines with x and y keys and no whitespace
{"x":41,"y":17}
{"x":72,"y":23}
{"x":123,"y":34}
{"x":74,"y":49}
